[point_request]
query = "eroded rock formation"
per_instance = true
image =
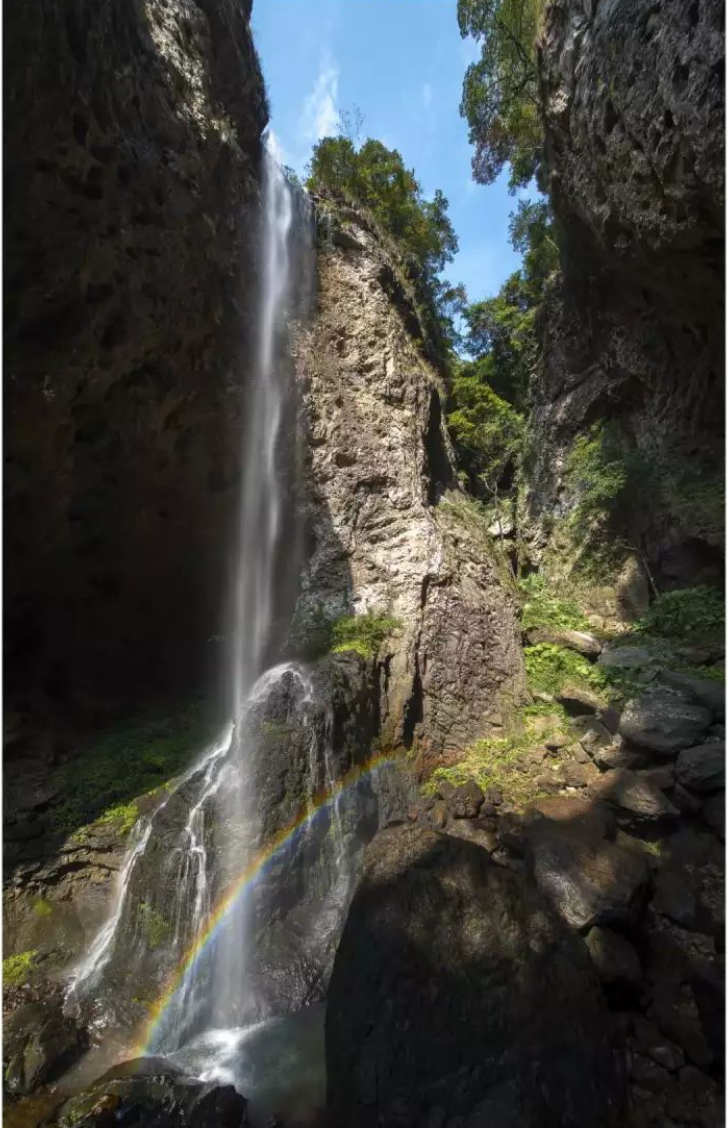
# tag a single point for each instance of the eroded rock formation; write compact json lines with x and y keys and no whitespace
{"x":388,"y":533}
{"x":633,"y":332}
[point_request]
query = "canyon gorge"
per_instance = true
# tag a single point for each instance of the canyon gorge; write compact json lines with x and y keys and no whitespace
{"x":339,"y":788}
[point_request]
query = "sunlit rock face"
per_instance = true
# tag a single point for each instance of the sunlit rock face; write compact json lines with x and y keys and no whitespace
{"x":132,"y":171}
{"x":633,"y":115}
{"x":389,"y":532}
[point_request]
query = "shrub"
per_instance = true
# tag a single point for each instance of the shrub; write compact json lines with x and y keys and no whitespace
{"x":688,"y":615}
{"x":17,"y":969}
{"x":550,"y":668}
{"x":543,"y":608}
{"x":362,"y":633}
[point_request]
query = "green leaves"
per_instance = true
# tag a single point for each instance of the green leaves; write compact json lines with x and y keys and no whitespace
{"x":500,"y":90}
{"x":486,"y":429}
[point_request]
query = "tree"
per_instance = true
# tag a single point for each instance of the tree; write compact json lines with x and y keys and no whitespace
{"x":500,"y":90}
{"x":377,"y":178}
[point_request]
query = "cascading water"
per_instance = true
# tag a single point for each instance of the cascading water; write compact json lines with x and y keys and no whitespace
{"x":227,"y":930}
{"x":187,"y":853}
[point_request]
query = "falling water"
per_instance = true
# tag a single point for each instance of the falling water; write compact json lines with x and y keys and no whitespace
{"x":216,"y":817}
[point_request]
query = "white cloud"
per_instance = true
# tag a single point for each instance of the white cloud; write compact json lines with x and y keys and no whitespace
{"x":320,"y":117}
{"x":427,"y":93}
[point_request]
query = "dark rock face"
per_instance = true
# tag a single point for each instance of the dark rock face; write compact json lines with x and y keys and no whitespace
{"x":441,"y":1007}
{"x":132,"y":143}
{"x":663,"y":723}
{"x":633,"y":114}
{"x":150,"y":1094}
{"x":39,"y":1043}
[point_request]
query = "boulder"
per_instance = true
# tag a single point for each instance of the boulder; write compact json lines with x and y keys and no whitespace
{"x":648,"y":1039}
{"x":663,"y":723}
{"x":575,"y":815}
{"x":714,"y":813}
{"x":150,"y":1093}
{"x":580,"y":641}
{"x":39,"y":1043}
{"x":579,"y":701}
{"x":625,"y":657}
{"x":441,"y":1005}
{"x":703,"y":691}
{"x":587,"y":880}
{"x":614,"y":957}
{"x":618,"y":755}
{"x":592,"y":734}
{"x":633,"y":795}
{"x":464,"y":802}
{"x":675,"y":897}
{"x":702,"y":768}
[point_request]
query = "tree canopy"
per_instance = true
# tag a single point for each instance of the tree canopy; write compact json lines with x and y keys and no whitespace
{"x":500,"y":89}
{"x":376,"y":177}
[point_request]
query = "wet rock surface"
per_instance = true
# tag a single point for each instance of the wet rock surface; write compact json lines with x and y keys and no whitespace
{"x":150,"y":1094}
{"x":39,"y":1043}
{"x":439,"y":1001}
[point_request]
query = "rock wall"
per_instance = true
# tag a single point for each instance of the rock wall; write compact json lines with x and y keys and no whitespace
{"x":633,"y":331}
{"x":132,"y":136}
{"x":388,"y":533}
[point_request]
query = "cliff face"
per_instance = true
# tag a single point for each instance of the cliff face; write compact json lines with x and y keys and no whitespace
{"x":633,"y":104}
{"x":388,"y":534}
{"x":131,"y":174}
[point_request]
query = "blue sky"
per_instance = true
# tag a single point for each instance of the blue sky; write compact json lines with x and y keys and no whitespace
{"x":401,"y":62}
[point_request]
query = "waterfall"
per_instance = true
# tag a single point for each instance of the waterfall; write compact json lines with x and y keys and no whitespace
{"x":234,"y":889}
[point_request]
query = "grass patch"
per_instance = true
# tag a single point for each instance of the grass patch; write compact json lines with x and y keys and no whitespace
{"x":542,"y":608}
{"x":17,"y":969}
{"x":550,"y":668}
{"x":124,"y":763}
{"x":362,"y":633}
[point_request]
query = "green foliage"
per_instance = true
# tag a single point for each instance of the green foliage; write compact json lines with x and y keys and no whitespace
{"x":500,"y":90}
{"x":375,"y":178}
{"x":550,"y":668}
{"x":608,"y":484}
{"x":689,"y":615}
{"x":154,"y":928}
{"x":711,"y":673}
{"x":543,"y":608}
{"x":362,"y":633}
{"x":17,"y":969}
{"x":122,"y":815}
{"x":486,"y":430}
{"x":127,"y":761}
{"x":500,"y":332}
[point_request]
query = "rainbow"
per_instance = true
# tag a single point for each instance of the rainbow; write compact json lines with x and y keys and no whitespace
{"x":253,"y":871}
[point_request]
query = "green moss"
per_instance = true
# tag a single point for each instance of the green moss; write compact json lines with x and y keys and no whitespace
{"x":362,"y":633}
{"x":544,"y":608}
{"x":712,"y":673}
{"x":17,"y":969}
{"x":689,"y":615}
{"x":122,"y":815}
{"x":125,"y":762}
{"x":42,"y":908}
{"x":155,"y":929}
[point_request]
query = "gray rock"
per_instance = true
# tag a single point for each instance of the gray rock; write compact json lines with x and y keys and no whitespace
{"x":442,"y":997}
{"x":714,"y":813}
{"x":676,"y":897}
{"x":588,"y":880}
{"x":675,"y":1011}
{"x":579,"y":701}
{"x":579,"y":641}
{"x":649,"y":1040}
{"x":614,"y":957}
{"x":592,"y":733}
{"x":625,"y":657}
{"x":575,"y":815}
{"x":705,"y":692}
{"x":39,"y":1044}
{"x":702,"y":768}
{"x":618,"y":755}
{"x":663,"y":723}
{"x":632,"y":794}
{"x":465,"y":801}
